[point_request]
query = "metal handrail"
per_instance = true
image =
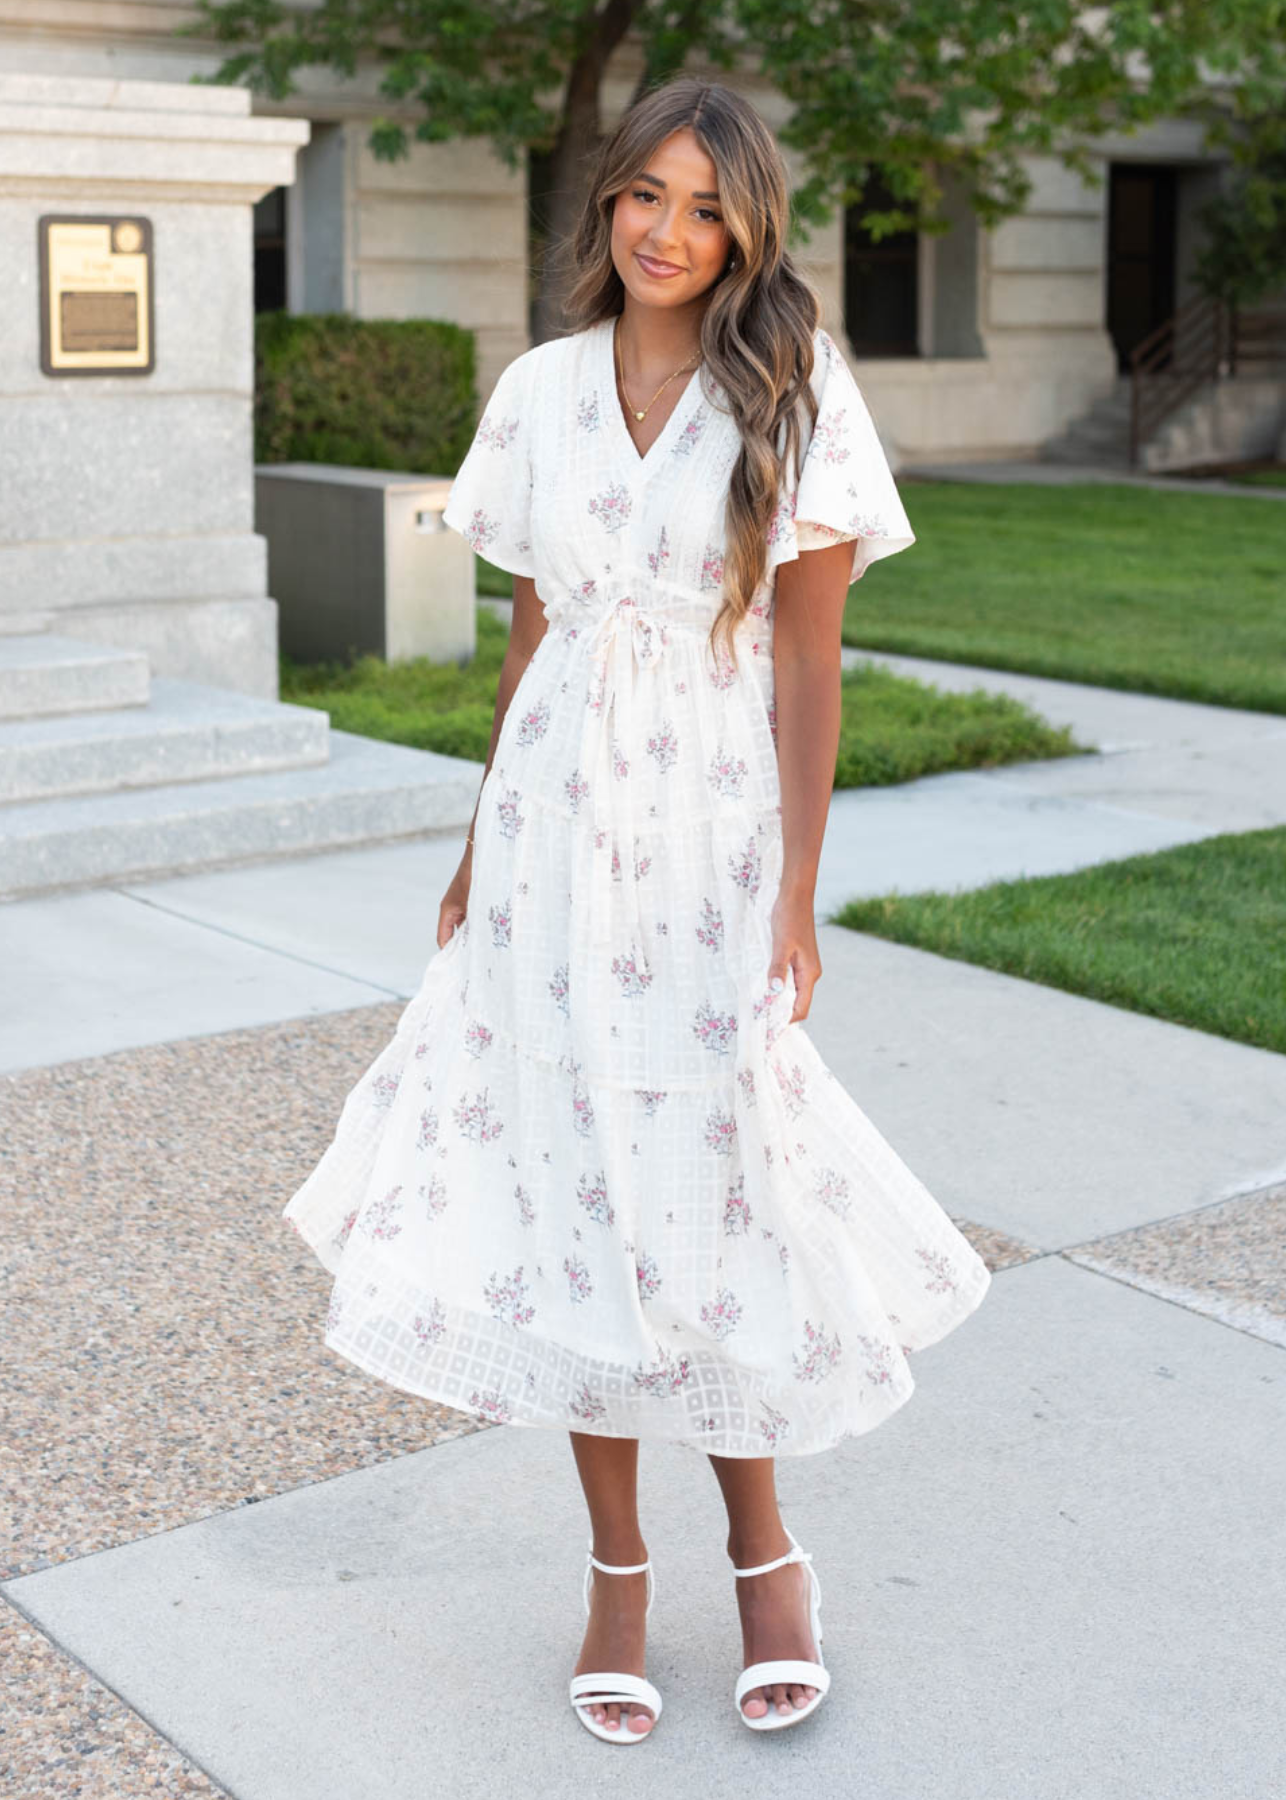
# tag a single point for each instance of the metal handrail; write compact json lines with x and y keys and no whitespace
{"x":1203,"y":341}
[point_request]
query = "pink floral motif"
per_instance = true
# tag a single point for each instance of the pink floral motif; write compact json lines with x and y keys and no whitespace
{"x":576,"y":789}
{"x":559,"y":988}
{"x":511,"y":820}
{"x":664,"y":746}
{"x":832,"y":1189}
{"x":651,"y":1099}
{"x":477,"y":1037}
{"x":746,"y":1079}
{"x":736,"y":1209}
{"x":794,"y":1087}
{"x":687,"y":438}
{"x":509,"y":1298}
{"x":491,"y":1403}
{"x":711,"y":569}
{"x":432,"y":1196}
{"x":821,"y":1354}
{"x":710,"y":929}
{"x":781,"y":523}
{"x":657,"y":559}
{"x":665,"y":1375}
{"x":582,"y":1105}
{"x":501,"y":917}
{"x":342,"y":1235}
{"x":587,"y":414}
{"x":476,"y":1120}
{"x":591,"y":1191}
{"x":429,"y":1326}
{"x":828,"y":438}
{"x":534,"y":723}
{"x":747,"y":869}
{"x":481,"y":530}
{"x":941,"y":1271}
{"x":586,"y":1405}
{"x":647,"y":1273}
{"x":382,"y":1219}
{"x":775,"y":1427}
{"x":727,"y":773}
{"x":721,"y":669}
{"x":497,"y":434}
{"x":879,"y":1360}
{"x":579,"y":1284}
{"x":721,"y":1315}
{"x":384,"y":1089}
{"x":620,"y":762}
{"x":641,"y":866}
{"x":720,"y":1132}
{"x":428,"y":1134}
{"x":612,"y":507}
{"x":717,"y":1031}
{"x":634,"y":980}
{"x":526,"y":1211}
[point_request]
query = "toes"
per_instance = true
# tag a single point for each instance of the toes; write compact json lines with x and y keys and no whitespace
{"x":755,"y":1705}
{"x":640,"y":1721}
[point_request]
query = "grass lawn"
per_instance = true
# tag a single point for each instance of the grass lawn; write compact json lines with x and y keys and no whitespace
{"x":1261,"y":478}
{"x":1196,"y":934}
{"x":1181,"y":594}
{"x":891,"y":729}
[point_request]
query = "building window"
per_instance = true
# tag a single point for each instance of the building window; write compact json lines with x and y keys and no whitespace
{"x":881,"y":282}
{"x":270,"y":252}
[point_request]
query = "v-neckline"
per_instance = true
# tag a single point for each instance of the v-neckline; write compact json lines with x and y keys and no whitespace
{"x":639,"y":459}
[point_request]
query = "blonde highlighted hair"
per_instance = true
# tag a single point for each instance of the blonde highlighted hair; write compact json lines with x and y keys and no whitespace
{"x":757,"y":331}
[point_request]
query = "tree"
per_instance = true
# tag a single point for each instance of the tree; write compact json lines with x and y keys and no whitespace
{"x":1244,"y":256}
{"x":912,"y":90}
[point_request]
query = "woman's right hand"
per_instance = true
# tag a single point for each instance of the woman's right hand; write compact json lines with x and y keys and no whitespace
{"x":455,"y":902}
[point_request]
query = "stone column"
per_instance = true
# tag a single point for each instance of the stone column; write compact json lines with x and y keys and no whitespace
{"x":127,"y":501}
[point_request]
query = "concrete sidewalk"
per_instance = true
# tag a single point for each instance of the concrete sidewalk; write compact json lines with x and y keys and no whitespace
{"x":1052,"y":474}
{"x":240,"y":1568}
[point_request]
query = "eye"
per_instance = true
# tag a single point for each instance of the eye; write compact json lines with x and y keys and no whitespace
{"x":712,"y":217}
{"x":643,"y":194}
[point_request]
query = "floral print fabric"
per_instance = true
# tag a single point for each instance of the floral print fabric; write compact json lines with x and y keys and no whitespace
{"x":596,"y":1181}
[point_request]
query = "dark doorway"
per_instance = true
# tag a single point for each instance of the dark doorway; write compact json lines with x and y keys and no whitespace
{"x":1140,"y":252}
{"x":881,"y":282}
{"x":270,"y":252}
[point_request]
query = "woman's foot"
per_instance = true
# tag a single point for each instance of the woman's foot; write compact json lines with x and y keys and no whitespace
{"x":774,"y":1622}
{"x":616,"y":1637}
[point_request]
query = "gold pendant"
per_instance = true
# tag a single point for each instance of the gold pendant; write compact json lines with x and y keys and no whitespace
{"x":638,"y":415}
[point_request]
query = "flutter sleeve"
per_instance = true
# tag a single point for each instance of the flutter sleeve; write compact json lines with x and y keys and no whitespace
{"x":490,"y":499}
{"x":846,"y":489}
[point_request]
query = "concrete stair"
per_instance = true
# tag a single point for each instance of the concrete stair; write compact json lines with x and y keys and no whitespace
{"x":1101,"y":435}
{"x":112,"y":776}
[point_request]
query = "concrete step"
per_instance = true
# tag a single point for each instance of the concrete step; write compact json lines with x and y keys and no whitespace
{"x":187,"y":732}
{"x":43,"y":674}
{"x":367,"y":792}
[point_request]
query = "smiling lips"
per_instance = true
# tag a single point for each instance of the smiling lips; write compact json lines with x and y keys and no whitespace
{"x":659,"y":269}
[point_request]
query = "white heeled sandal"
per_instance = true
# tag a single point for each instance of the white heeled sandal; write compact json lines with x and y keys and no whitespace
{"x":602,"y":1687}
{"x":789,"y":1668}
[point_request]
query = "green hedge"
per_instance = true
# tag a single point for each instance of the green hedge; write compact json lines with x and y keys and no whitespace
{"x":367,"y":393}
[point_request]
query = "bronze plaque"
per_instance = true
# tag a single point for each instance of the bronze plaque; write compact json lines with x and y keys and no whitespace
{"x":95,"y":295}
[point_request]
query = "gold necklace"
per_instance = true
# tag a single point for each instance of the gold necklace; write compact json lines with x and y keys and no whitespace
{"x":665,"y":384}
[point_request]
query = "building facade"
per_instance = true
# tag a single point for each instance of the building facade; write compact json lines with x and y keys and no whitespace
{"x":976,"y":343}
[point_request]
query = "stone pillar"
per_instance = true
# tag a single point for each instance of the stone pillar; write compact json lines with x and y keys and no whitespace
{"x":127,"y":500}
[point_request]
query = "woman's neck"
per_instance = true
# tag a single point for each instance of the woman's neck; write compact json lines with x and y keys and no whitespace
{"x":658,"y":337}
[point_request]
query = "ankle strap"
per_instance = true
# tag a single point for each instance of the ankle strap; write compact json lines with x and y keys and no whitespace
{"x":795,"y":1555}
{"x":618,"y":1568}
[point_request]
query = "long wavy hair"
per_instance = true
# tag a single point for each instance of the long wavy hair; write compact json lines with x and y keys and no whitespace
{"x":757,"y":331}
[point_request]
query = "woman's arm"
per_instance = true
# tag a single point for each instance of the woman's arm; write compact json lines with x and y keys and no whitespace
{"x":528,"y":627}
{"x":807,"y":614}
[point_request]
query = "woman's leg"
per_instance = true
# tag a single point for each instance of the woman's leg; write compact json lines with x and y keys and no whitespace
{"x":774,"y":1607}
{"x":616,"y":1635}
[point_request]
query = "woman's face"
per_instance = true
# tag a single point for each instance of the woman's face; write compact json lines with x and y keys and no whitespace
{"x":669,"y":240}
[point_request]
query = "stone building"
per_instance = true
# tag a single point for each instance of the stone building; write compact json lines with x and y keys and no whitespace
{"x":976,"y":343}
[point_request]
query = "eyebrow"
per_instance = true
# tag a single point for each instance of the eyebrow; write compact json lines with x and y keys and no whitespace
{"x":657,"y":182}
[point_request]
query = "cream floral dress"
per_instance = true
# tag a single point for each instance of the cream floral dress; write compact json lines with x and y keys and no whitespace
{"x":596,"y":1180}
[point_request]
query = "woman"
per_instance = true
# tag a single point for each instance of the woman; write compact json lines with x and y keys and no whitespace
{"x":600,"y":1180}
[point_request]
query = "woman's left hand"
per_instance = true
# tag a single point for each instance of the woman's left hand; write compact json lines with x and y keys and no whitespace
{"x":794,"y":946}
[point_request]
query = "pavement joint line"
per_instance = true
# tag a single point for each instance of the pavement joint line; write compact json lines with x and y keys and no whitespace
{"x":1260,"y":1191}
{"x":308,"y":962}
{"x":1131,"y":1278}
{"x":216,"y":1782}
